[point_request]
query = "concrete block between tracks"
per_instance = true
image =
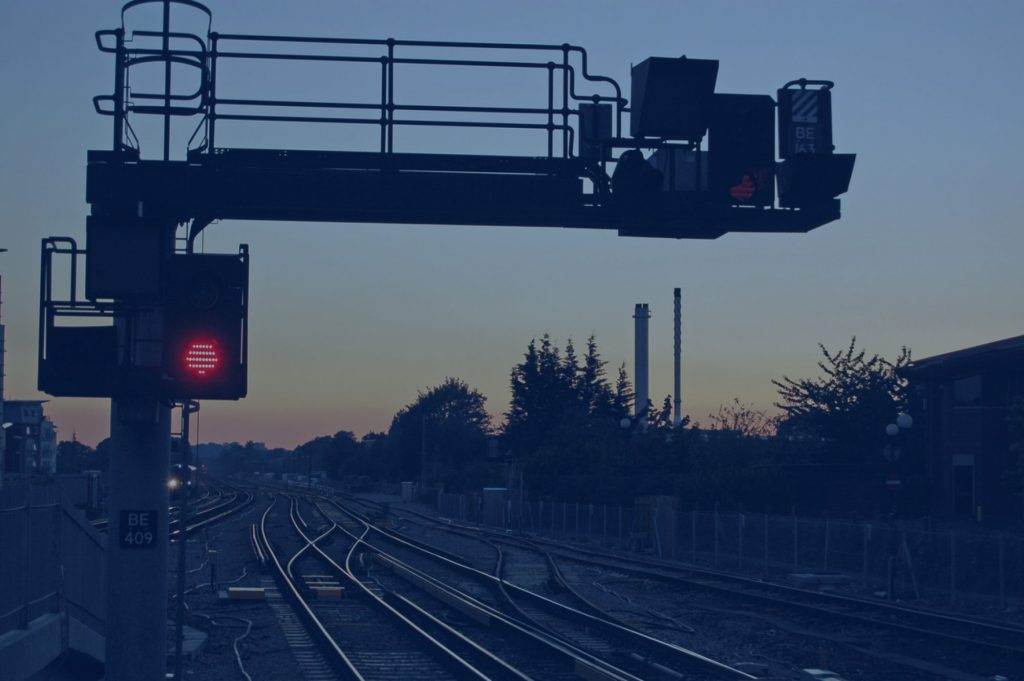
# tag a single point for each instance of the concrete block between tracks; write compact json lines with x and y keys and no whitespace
{"x":327,"y":593}
{"x":243,"y":593}
{"x":817,"y":580}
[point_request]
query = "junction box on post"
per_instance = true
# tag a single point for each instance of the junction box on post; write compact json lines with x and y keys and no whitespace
{"x":174,"y":327}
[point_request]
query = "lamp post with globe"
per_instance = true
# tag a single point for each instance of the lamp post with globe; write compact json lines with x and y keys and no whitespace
{"x":892,"y":452}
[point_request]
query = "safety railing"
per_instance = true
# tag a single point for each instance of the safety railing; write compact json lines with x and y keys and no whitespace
{"x":52,"y":560}
{"x":557,"y":119}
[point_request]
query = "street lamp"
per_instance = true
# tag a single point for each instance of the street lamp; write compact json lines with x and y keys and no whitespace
{"x":893,"y":483}
{"x":891,"y":452}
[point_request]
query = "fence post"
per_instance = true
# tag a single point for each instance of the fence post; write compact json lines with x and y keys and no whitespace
{"x":866,"y":537}
{"x":796,"y":541}
{"x":693,"y":534}
{"x":58,"y":550}
{"x":27,"y":555}
{"x":655,"y":512}
{"x":716,"y":534}
{"x":741,"y":522}
{"x":620,"y":526}
{"x":827,"y":528}
{"x":676,"y":522}
{"x":766,"y":542}
{"x":604,"y":525}
{"x":952,"y":567}
{"x":1002,"y":572}
{"x":590,"y":524}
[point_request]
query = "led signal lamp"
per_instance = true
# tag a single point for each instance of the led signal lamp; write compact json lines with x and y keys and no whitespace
{"x":202,"y":357}
{"x":205,"y":319}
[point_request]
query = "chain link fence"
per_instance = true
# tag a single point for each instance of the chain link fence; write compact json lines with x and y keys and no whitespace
{"x":907,"y":560}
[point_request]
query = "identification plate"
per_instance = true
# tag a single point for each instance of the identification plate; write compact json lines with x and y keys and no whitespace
{"x":138,"y":529}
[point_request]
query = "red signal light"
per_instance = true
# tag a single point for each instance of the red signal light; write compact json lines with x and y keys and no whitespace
{"x":202,"y":357}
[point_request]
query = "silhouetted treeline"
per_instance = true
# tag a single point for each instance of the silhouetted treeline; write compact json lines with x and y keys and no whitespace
{"x":570,"y":433}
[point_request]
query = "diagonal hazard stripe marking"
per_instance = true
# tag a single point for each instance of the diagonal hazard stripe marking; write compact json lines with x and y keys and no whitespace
{"x":805,"y":107}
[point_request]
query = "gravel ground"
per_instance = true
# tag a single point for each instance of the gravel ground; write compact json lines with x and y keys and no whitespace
{"x":264,"y":651}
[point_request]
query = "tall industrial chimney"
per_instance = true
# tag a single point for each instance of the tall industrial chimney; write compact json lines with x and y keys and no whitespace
{"x":677,"y":354}
{"x":641,"y":315}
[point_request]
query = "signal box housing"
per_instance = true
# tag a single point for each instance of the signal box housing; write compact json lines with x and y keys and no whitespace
{"x":805,"y":121}
{"x":741,"y":150}
{"x":672,"y":98}
{"x":185,"y":340}
{"x":125,"y":258}
{"x":811,"y":179}
{"x":204,"y":334}
{"x":810,"y":174}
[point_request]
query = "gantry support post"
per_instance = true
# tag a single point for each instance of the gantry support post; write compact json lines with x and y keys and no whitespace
{"x":136,"y":580}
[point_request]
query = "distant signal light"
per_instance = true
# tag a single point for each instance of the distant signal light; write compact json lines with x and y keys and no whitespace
{"x":202,"y":357}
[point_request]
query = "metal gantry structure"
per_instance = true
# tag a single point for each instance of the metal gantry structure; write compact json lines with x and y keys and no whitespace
{"x":576,"y":183}
{"x":169,"y":325}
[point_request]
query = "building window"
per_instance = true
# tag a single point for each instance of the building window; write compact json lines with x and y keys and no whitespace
{"x":965,"y":428}
{"x":963,"y":484}
{"x":967,"y":391}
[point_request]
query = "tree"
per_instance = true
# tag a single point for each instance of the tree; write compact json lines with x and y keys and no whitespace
{"x":622,"y":401}
{"x":552,"y":394}
{"x":334,"y":454}
{"x":848,"y":406}
{"x":592,"y":386}
{"x":661,"y":419}
{"x":252,"y":457}
{"x":449,"y":421}
{"x":73,"y":456}
{"x":100,"y":459}
{"x":543,"y":395}
{"x":743,"y":419}
{"x":563,"y":424}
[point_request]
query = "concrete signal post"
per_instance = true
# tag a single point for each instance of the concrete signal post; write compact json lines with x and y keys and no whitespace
{"x":179,"y":323}
{"x":136,"y":579}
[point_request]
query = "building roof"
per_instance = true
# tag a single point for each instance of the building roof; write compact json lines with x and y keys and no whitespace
{"x":14,"y":411}
{"x":976,"y":357}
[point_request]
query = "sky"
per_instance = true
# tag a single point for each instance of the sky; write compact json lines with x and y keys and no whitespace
{"x":349,"y":321}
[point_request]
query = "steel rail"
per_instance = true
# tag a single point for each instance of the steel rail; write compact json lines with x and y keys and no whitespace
{"x":337,"y":656}
{"x":687,"y":656}
{"x":649,"y":569}
{"x":213,"y":516}
{"x":586,"y":665}
{"x":348,"y":573}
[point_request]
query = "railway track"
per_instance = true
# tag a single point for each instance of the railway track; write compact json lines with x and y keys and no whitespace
{"x":211,"y":508}
{"x":579,"y":627}
{"x":900,"y":634}
{"x":363,"y":635}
